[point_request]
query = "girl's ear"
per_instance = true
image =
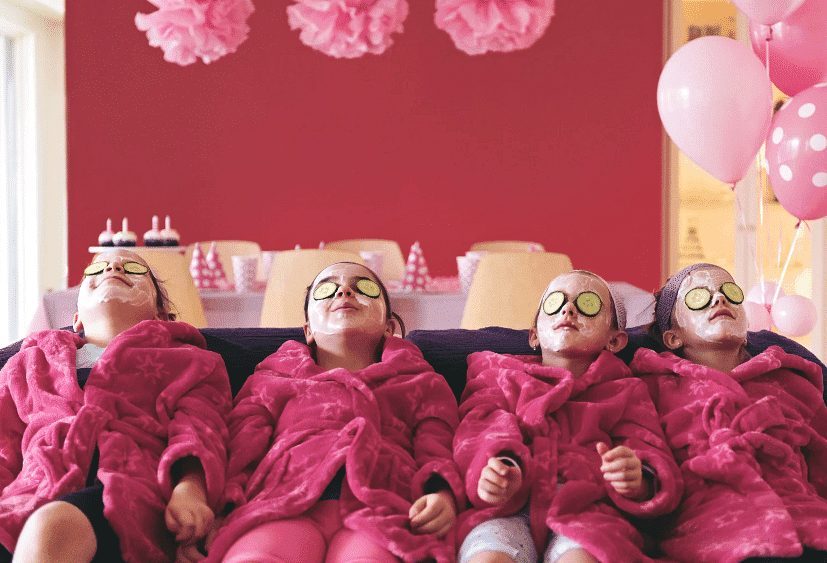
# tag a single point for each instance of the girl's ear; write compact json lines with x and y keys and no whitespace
{"x":617,"y":342}
{"x":391,"y":327}
{"x":672,"y":340}
{"x":533,"y":339}
{"x":308,"y":334}
{"x":77,"y":324}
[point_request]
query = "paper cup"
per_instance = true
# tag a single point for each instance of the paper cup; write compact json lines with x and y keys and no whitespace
{"x":244,"y":270}
{"x":466,"y":268}
{"x":374,"y":259}
{"x":267,"y":263}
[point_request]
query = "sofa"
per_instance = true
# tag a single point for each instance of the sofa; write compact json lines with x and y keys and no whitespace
{"x":446,"y":350}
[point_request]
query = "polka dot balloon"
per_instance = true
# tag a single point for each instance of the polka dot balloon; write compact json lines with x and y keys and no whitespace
{"x":797,"y":154}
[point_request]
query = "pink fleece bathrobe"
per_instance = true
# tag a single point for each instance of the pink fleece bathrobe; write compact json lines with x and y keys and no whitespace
{"x":155,"y":396}
{"x":753,"y":451}
{"x":552,"y":422}
{"x":294,"y":425}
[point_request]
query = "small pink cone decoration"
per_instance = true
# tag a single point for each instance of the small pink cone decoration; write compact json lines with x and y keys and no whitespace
{"x":201,"y":274}
{"x":219,"y":276}
{"x":416,"y":270}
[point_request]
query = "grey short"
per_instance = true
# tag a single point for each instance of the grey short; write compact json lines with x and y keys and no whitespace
{"x":512,"y":536}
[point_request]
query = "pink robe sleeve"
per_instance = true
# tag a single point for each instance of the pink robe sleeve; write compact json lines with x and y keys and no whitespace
{"x":489,"y":428}
{"x":639,"y":429}
{"x":198,"y":404}
{"x":435,"y":424}
{"x":11,"y":431}
{"x":252,"y":426}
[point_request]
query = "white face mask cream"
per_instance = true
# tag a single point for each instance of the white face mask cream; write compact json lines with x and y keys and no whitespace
{"x":345,"y":298}
{"x":568,"y":329}
{"x":720,"y":320}
{"x":114,"y":290}
{"x":112,"y":282}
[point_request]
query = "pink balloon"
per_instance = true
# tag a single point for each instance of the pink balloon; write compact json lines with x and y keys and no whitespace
{"x":715,"y":101}
{"x":767,"y":11}
{"x":764,"y":293}
{"x":798,"y":48}
{"x":794,"y":315}
{"x":797,"y":155}
{"x":758,"y":317}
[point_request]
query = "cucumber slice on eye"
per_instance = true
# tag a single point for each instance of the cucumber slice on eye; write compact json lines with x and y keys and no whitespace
{"x":324,"y":290}
{"x":134,"y":268}
{"x":588,"y":303}
{"x":732,"y":292}
{"x":369,"y":288}
{"x":554,"y":302}
{"x":697,"y":298}
{"x":95,"y":268}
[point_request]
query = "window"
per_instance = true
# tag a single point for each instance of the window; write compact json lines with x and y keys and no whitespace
{"x":32,"y":161}
{"x":746,"y":231}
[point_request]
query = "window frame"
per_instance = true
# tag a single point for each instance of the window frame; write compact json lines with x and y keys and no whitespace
{"x":42,"y":232}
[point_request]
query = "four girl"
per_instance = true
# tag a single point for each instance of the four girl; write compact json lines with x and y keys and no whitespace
{"x":343,"y":449}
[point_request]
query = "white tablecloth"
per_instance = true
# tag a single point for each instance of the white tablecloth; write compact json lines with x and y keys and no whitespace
{"x":230,"y":309}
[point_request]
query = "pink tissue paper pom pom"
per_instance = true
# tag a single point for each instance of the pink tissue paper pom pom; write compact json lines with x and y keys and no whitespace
{"x":479,"y":26}
{"x":348,"y":28}
{"x":188,"y":29}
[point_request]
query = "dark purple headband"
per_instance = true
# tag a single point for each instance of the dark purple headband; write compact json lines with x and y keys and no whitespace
{"x":669,"y":294}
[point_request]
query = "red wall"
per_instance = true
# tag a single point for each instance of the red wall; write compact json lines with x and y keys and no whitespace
{"x":277,"y":143}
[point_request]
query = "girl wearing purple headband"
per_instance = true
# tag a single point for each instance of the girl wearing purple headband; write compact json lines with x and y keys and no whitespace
{"x":750,"y":433}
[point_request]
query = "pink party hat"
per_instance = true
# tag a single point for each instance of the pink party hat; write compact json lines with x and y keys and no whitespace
{"x":219,"y":276}
{"x":416,"y":271}
{"x":201,"y":274}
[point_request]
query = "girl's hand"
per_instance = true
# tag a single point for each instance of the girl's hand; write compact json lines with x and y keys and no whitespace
{"x":622,"y":469}
{"x":194,"y":552}
{"x":433,"y":514}
{"x":187,"y":515}
{"x":499,"y":481}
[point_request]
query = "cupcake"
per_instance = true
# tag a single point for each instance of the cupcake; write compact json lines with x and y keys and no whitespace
{"x":105,"y":238}
{"x":153,"y":236}
{"x":125,"y":237}
{"x":169,"y":236}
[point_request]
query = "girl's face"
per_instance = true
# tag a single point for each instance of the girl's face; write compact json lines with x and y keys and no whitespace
{"x":583,"y":322}
{"x":346,"y":297}
{"x":719,"y":321}
{"x":117,"y":277}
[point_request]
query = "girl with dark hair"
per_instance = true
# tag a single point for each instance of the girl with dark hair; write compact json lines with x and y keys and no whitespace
{"x":340,"y":449}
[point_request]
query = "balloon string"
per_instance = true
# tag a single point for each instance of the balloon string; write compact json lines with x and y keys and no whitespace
{"x":778,"y":252}
{"x":763,"y":178}
{"x":798,"y":232}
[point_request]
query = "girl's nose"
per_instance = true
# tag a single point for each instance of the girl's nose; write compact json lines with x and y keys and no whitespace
{"x":344,"y":291}
{"x":568,"y":309}
{"x":116,"y":265}
{"x":717,"y":298}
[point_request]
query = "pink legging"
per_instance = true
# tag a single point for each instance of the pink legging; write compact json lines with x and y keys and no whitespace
{"x":317,"y":536}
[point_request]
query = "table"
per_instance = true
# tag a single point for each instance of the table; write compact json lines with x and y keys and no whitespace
{"x":419,"y":310}
{"x":231,"y":309}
